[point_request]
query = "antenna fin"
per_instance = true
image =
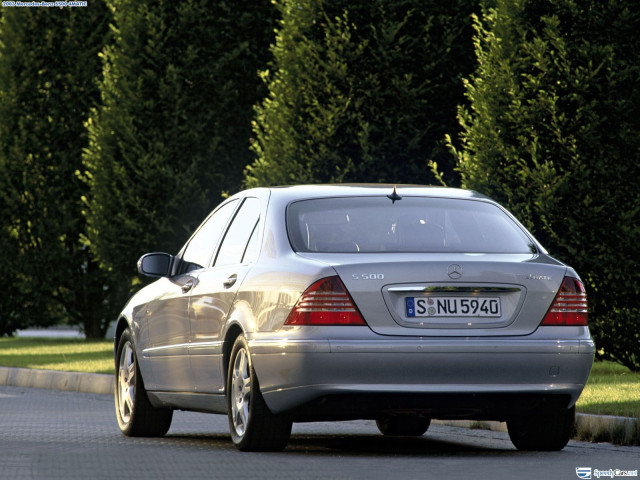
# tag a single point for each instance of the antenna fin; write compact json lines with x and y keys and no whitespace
{"x":394,"y":195}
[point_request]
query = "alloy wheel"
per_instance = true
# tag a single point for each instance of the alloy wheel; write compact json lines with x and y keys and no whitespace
{"x":241,"y":391}
{"x":126,"y":383}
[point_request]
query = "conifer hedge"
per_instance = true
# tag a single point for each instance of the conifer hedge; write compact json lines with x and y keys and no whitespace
{"x":553,"y":132}
{"x":362,"y":91}
{"x":49,"y":67}
{"x":171,"y":135}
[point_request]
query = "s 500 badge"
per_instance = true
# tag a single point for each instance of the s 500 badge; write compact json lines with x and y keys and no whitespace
{"x":368,"y":276}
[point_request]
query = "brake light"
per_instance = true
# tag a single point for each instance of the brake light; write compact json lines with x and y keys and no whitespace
{"x":326,"y":302}
{"x":570,"y":305}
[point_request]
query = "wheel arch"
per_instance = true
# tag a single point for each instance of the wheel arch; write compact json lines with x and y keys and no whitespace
{"x":234,"y":331}
{"x":121,"y":325}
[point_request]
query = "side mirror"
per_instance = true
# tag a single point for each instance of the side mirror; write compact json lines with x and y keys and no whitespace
{"x":155,"y":264}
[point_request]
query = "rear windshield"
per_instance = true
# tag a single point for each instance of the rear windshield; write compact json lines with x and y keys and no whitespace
{"x":413,"y":224}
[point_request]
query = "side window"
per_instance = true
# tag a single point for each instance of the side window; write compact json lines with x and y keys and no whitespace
{"x":235,"y":241}
{"x":201,"y":246}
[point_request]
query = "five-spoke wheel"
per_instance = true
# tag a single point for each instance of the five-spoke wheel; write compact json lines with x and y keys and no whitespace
{"x":251,"y":423}
{"x":126,"y":383}
{"x":136,"y":416}
{"x":241,"y":392}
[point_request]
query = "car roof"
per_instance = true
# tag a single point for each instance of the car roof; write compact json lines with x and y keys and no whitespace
{"x":368,"y":189}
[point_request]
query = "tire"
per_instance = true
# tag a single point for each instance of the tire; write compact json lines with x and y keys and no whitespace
{"x":252,"y":425}
{"x":403,"y":425}
{"x":543,"y":432}
{"x":136,"y":416}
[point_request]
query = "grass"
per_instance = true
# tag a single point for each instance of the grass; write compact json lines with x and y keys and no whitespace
{"x":611,"y":390}
{"x":69,"y":355}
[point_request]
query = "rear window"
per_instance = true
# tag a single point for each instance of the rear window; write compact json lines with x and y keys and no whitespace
{"x":413,"y":224}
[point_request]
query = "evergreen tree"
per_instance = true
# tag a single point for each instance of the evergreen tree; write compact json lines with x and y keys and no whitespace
{"x":48,"y":68}
{"x":553,"y":132}
{"x":172,"y":132}
{"x":361,"y":91}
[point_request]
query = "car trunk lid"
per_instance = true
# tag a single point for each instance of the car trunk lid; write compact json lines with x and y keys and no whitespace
{"x":449,"y":294}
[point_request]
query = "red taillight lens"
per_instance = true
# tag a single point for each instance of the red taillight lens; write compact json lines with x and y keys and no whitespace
{"x":326,"y":302}
{"x":570,"y":305}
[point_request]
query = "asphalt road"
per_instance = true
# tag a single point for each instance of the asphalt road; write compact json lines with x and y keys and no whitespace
{"x":48,"y":434}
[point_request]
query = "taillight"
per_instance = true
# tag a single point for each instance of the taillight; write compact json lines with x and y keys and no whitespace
{"x":326,"y":302}
{"x":570,"y":305}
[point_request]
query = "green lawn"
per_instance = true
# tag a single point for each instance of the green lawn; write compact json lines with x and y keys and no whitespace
{"x":611,"y":390}
{"x":70,"y":355}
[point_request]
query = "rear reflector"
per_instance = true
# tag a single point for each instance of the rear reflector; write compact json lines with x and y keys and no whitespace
{"x":570,"y":305}
{"x":326,"y":302}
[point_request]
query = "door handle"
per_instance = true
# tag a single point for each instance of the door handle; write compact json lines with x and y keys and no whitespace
{"x":228,"y":283}
{"x":188,"y":286}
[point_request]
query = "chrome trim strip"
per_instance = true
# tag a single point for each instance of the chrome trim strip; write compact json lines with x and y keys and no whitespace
{"x":453,"y":289}
{"x":165,"y":348}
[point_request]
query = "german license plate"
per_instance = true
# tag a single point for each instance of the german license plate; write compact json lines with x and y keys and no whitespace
{"x":452,"y":306}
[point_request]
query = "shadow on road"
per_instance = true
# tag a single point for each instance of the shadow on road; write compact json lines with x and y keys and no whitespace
{"x":353,"y":445}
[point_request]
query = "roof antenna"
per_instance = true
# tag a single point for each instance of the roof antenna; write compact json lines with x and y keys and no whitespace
{"x":394,"y":195}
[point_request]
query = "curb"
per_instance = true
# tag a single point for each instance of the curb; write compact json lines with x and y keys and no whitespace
{"x":55,"y":380}
{"x":593,"y":428}
{"x":589,"y":428}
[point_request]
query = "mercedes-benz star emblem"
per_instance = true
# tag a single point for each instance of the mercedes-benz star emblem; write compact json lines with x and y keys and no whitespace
{"x":454,"y":271}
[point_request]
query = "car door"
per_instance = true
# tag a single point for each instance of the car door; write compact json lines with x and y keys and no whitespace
{"x":213,"y":296}
{"x":167,"y":315}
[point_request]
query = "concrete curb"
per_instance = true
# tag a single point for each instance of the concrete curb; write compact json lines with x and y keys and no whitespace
{"x":55,"y":380}
{"x":608,"y":428}
{"x":591,"y":428}
{"x":595,"y":428}
{"x":584,"y":421}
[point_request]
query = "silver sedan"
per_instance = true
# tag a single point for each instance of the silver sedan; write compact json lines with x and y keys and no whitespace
{"x":334,"y":302}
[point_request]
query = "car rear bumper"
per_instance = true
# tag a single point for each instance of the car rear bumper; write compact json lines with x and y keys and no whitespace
{"x":460,"y":378}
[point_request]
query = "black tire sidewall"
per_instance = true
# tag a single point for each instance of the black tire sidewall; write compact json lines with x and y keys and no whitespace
{"x":543,"y":432}
{"x":403,"y":425}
